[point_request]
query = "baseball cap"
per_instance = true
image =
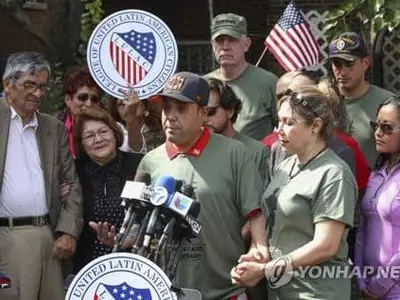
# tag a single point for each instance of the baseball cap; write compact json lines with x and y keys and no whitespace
{"x":185,"y":87}
{"x":228,"y":24}
{"x":348,"y":46}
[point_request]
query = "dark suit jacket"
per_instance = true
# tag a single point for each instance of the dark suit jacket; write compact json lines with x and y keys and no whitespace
{"x":58,"y":167}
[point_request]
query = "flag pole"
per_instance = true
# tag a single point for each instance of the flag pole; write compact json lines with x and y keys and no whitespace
{"x":211,"y":17}
{"x":262,"y":56}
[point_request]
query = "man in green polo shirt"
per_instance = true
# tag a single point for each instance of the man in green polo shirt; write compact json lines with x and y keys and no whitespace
{"x":349,"y":58}
{"x":225,"y":181}
{"x":254,"y":86}
{"x":223,"y":109}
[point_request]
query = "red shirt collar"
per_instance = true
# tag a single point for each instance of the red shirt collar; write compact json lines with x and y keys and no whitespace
{"x":196,"y":150}
{"x":68,"y":123}
{"x":71,"y":139}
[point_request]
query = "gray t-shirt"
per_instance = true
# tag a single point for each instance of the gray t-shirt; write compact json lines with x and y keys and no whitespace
{"x":228,"y":187}
{"x":337,"y":145}
{"x":360,"y":112}
{"x":255,"y":87}
{"x":323,"y":190}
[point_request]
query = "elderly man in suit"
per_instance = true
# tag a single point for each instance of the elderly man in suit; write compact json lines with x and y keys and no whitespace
{"x":38,"y":227}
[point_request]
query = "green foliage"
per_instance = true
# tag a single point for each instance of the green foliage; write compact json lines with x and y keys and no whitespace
{"x":378,"y":14}
{"x":93,"y":13}
{"x":55,"y":98}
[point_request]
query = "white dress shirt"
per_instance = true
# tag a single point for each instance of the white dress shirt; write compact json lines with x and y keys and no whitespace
{"x":23,"y":190}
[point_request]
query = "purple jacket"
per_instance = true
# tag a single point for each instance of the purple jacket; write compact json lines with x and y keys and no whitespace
{"x":378,"y":237}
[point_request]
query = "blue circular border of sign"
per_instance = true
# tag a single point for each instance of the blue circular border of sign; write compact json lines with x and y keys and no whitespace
{"x":116,"y":14}
{"x":122,"y":257}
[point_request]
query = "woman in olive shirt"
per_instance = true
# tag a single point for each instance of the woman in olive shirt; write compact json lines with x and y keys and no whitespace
{"x":310,"y":202}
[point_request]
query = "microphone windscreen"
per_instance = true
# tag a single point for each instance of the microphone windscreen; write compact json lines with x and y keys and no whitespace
{"x":194,"y":210}
{"x":168,"y":182}
{"x":143,"y":177}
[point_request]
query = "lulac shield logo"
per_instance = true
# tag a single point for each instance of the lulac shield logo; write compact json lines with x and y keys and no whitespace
{"x":121,"y":276}
{"x":132,"y":48}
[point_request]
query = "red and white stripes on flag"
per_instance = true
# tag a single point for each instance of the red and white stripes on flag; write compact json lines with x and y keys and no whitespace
{"x":292,"y":42}
{"x":131,"y":71}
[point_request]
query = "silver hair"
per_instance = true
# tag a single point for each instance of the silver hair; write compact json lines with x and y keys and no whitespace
{"x":22,"y":62}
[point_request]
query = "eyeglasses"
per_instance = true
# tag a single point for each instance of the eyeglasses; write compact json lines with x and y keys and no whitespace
{"x":297,"y":99}
{"x":384,"y":127}
{"x":90,"y":136}
{"x":31,"y":87}
{"x":212,"y":110}
{"x":85,"y":97}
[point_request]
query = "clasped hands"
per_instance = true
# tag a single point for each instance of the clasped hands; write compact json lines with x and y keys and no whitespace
{"x":250,"y":269}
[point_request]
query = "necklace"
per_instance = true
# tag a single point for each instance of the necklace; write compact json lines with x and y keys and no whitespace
{"x":291,"y":176}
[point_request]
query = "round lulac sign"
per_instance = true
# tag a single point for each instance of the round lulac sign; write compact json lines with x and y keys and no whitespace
{"x":124,"y":276}
{"x":132,"y":48}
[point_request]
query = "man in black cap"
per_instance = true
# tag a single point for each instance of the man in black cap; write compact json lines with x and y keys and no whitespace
{"x":254,"y":86}
{"x":226,"y":184}
{"x":350,"y":60}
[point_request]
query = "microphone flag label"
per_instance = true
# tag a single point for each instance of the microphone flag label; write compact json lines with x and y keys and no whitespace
{"x":132,"y":48}
{"x":133,"y":190}
{"x":160,"y":196}
{"x":121,"y":276}
{"x":180,"y":203}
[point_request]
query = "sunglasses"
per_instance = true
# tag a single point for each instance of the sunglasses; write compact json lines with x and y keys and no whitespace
{"x":212,"y":110}
{"x":85,"y":97}
{"x":384,"y":127}
{"x":299,"y":100}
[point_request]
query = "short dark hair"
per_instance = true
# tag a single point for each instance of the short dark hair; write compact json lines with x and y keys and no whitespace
{"x":78,"y":77}
{"x":227,"y":97}
{"x":94,"y":113}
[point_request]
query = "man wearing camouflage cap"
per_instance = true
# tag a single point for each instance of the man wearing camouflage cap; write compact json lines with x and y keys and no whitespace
{"x":254,"y":86}
{"x":350,"y":60}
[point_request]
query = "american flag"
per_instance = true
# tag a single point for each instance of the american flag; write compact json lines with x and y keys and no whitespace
{"x":133,"y":53}
{"x":121,"y":292}
{"x":5,"y":282}
{"x":292,"y":42}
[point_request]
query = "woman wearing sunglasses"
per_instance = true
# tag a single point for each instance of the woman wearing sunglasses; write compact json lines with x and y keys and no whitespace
{"x":309,"y":205}
{"x":378,"y":237}
{"x":80,"y":90}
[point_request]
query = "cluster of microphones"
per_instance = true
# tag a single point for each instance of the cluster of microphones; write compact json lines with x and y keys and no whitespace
{"x":163,"y":216}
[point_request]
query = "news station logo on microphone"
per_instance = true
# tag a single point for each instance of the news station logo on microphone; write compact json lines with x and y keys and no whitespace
{"x":180,"y":203}
{"x":160,"y":196}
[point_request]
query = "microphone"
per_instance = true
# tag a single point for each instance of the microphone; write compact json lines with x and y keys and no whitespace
{"x":186,"y":207}
{"x":193,"y":228}
{"x":140,"y":235}
{"x":163,"y":188}
{"x":141,"y":180}
{"x":191,"y":218}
